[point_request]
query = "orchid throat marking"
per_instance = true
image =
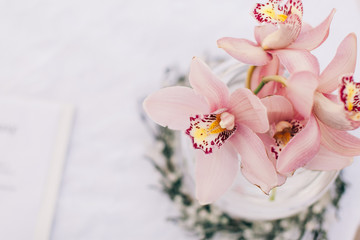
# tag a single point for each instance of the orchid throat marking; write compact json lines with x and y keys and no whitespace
{"x":211,"y":130}
{"x":350,"y":96}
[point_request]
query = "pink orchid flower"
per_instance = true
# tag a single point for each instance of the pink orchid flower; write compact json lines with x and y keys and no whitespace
{"x":337,"y":115}
{"x":291,"y":142}
{"x":221,"y":125}
{"x":283,"y":35}
{"x":333,"y":115}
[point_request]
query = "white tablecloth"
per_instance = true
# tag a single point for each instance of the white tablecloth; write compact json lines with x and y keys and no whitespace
{"x":104,"y":57}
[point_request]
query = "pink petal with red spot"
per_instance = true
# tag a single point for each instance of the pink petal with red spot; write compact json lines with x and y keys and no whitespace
{"x":333,"y":114}
{"x":287,"y":34}
{"x":259,"y":10}
{"x":340,"y":142}
{"x":344,"y":62}
{"x":311,"y":38}
{"x":268,"y":142}
{"x":255,"y":165}
{"x":349,"y":93}
{"x":300,"y":91}
{"x":215,"y":173}
{"x":296,"y":60}
{"x":173,"y":106}
{"x":207,"y":84}
{"x":248,"y":110}
{"x":327,"y":160}
{"x":244,"y":51}
{"x":294,"y":7}
{"x":300,"y":149}
{"x":278,"y":108}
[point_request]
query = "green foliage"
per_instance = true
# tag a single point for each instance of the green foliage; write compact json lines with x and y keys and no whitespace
{"x":207,"y":221}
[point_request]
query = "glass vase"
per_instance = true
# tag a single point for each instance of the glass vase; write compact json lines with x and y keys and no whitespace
{"x":246,"y":201}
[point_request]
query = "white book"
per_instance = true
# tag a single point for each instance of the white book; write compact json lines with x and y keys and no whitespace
{"x":33,"y":147}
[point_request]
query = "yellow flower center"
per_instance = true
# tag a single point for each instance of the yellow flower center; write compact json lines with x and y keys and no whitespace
{"x":270,"y":12}
{"x":284,"y":132}
{"x":208,"y":131}
{"x":350,"y":96}
{"x":200,"y":134}
{"x":283,"y":136}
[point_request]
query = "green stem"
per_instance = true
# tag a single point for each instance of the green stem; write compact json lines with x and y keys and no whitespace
{"x":265,"y":80}
{"x":261,"y":85}
{"x":273,"y":194}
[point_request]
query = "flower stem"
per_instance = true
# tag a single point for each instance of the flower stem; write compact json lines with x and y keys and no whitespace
{"x":261,"y":85}
{"x":265,"y":80}
{"x":273,"y":194}
{"x":248,"y":76}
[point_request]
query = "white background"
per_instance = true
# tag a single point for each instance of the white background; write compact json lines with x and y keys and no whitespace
{"x":104,"y":57}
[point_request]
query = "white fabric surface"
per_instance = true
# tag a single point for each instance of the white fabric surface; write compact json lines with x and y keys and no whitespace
{"x":104,"y":56}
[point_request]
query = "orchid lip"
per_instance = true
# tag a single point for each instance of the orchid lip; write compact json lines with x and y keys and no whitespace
{"x":350,"y":96}
{"x":272,"y":12}
{"x":333,"y":113}
{"x":284,"y":132}
{"x":211,"y":130}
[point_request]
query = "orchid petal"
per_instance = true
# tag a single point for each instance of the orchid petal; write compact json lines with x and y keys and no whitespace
{"x":296,"y":60}
{"x":257,"y":76}
{"x":311,"y":38}
{"x":295,"y":7}
{"x":269,"y":89}
{"x":244,"y":51}
{"x":173,"y":106}
{"x":340,"y":142}
{"x":281,"y":179}
{"x":287,"y":34}
{"x":248,"y":109}
{"x":301,"y":149}
{"x":344,"y":62}
{"x":207,"y":84}
{"x":261,"y":32}
{"x":266,"y":13}
{"x":268,"y":143}
{"x":255,"y":165}
{"x":278,"y":108}
{"x":300,"y":91}
{"x":304,"y":28}
{"x":327,"y":160}
{"x":215,"y":173}
{"x":332,"y":114}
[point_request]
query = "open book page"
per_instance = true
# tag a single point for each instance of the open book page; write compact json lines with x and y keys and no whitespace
{"x":33,"y":141}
